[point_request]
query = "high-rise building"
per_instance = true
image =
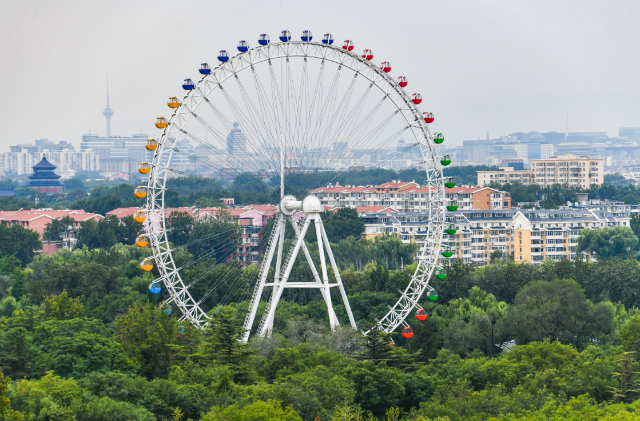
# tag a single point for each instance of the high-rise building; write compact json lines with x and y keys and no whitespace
{"x":236,"y":141}
{"x":108,"y":113}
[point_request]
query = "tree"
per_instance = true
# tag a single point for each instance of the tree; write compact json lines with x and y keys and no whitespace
{"x":255,"y":411}
{"x":56,"y":227}
{"x":73,"y":184}
{"x":339,"y":225}
{"x":63,"y":307}
{"x":628,"y":388}
{"x":179,"y":225}
{"x":83,"y":353}
{"x":377,"y":347}
{"x":630,"y":335}
{"x":106,"y":232}
{"x":557,"y":310}
{"x":476,"y":323}
{"x":19,"y":242}
{"x":607,"y":242}
{"x":6,"y":413}
{"x":247,"y":182}
{"x":100,"y":204}
{"x":147,"y":333}
{"x":221,"y":343}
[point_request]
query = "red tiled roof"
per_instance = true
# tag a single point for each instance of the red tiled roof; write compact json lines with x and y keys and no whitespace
{"x":375,"y":209}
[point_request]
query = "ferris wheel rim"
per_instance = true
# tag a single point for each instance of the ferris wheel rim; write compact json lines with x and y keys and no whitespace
{"x":427,"y":262}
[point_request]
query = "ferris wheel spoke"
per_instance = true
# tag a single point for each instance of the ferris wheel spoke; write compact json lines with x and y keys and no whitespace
{"x":360,"y":136}
{"x":250,"y":131}
{"x":324,"y":111}
{"x":256,"y":116}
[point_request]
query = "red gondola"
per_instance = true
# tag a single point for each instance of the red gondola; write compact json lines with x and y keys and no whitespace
{"x":385,"y":67}
{"x":421,"y":315}
{"x":347,"y":45}
{"x":416,"y":98}
{"x":407,"y":333}
{"x":402,"y":81}
{"x":428,"y":117}
{"x":367,"y":54}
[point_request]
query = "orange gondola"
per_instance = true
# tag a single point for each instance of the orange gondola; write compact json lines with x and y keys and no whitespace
{"x":146,"y":265}
{"x":144,"y":168}
{"x":139,"y":217}
{"x":142,"y":241}
{"x":151,"y":145}
{"x":173,"y":102}
{"x":140,"y":192}
{"x":161,"y":123}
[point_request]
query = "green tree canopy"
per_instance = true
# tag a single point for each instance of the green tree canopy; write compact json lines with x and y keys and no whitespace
{"x":608,"y":241}
{"x":56,"y":227}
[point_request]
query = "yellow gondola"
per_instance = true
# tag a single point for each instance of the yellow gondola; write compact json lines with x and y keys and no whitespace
{"x":146,"y":265}
{"x":151,"y":145}
{"x":140,"y":192}
{"x":139,"y":217}
{"x":161,"y":123}
{"x":173,"y":102}
{"x":145,"y":168}
{"x":142,"y":241}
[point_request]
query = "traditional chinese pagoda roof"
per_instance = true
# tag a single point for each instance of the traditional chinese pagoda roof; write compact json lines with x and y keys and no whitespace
{"x":44,"y":165}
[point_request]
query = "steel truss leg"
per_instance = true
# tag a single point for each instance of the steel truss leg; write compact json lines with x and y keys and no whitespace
{"x":315,"y":272}
{"x":255,"y":303}
{"x":337,"y":275}
{"x":277,"y":290}
{"x":325,"y":277}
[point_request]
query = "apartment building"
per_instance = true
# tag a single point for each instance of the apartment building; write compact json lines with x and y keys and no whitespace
{"x":553,"y":234}
{"x":571,"y":170}
{"x":409,"y":197}
{"x":531,"y":236}
{"x":479,"y":233}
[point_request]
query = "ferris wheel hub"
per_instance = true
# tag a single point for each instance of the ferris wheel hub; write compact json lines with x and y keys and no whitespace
{"x":289,"y":205}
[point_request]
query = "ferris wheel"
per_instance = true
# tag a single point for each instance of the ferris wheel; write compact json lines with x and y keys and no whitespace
{"x":274,"y":111}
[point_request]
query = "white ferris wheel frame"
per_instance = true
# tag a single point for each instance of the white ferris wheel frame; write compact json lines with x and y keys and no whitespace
{"x":160,"y":168}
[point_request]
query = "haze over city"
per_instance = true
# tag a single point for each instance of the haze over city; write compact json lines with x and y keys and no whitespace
{"x":496,"y":67}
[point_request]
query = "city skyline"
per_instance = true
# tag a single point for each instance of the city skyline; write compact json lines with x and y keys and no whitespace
{"x":556,"y":58}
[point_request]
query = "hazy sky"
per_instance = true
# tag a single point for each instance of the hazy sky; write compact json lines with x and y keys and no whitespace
{"x":496,"y":66}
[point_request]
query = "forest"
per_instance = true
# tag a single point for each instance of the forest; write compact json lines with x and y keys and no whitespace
{"x":83,"y":339}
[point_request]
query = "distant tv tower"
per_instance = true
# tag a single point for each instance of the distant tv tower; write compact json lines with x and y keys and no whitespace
{"x":567,"y":132}
{"x":107,"y":112}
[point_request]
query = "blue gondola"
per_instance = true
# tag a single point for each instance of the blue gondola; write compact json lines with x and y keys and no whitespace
{"x":167,"y":308}
{"x":264,"y":39}
{"x":285,"y":36}
{"x":306,"y":36}
{"x":327,"y":39}
{"x":223,"y":56}
{"x":154,"y":287}
{"x":243,"y":46}
{"x":187,"y":85}
{"x":205,"y":69}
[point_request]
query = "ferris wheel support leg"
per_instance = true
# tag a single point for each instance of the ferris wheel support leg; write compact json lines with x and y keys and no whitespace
{"x":277,"y":291}
{"x":336,"y":273}
{"x":280,"y":248}
{"x":312,"y":265}
{"x":325,"y":276}
{"x":255,"y":302}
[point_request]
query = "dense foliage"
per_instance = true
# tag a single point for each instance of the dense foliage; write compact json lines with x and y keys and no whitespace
{"x":81,"y":338}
